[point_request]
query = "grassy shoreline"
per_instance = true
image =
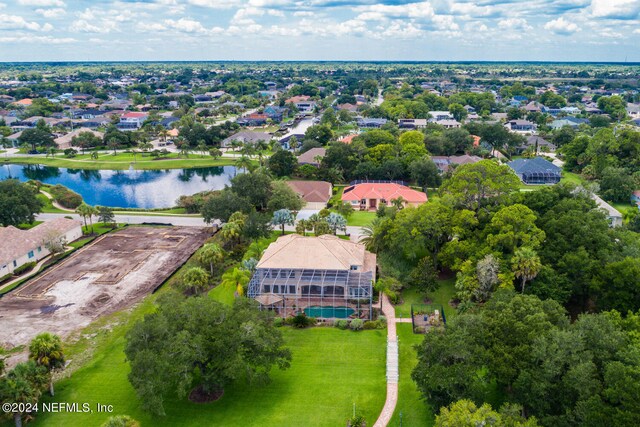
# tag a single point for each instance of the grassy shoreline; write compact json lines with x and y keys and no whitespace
{"x":122,"y":162}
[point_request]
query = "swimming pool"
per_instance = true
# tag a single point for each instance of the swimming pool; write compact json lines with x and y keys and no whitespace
{"x":329,"y":312}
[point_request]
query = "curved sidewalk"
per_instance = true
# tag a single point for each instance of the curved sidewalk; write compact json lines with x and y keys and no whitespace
{"x":392,"y":365}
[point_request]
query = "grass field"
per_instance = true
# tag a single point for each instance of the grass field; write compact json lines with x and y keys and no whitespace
{"x":414,"y":410}
{"x":442,"y":296}
{"x":361,"y":218}
{"x":123,"y":161}
{"x":331,"y":370}
{"x":47,"y":205}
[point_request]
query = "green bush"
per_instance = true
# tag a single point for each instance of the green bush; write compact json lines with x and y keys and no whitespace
{"x":342,"y":324}
{"x":370,"y":324}
{"x":301,"y":320}
{"x":357,"y":421}
{"x":6,"y":277}
{"x":65,"y":197}
{"x":356,"y":324}
{"x":278,"y":321}
{"x":24,"y":268}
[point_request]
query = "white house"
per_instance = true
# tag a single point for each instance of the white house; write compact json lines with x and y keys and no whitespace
{"x":23,"y":246}
{"x":440,"y":115}
{"x":132,"y":120}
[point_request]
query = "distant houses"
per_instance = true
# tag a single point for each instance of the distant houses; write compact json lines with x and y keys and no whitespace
{"x":613,"y":215}
{"x":521,"y":126}
{"x":246,"y":137}
{"x":446,"y":163}
{"x":370,"y":122}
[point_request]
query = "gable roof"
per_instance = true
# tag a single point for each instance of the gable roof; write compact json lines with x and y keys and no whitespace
{"x":383,"y":190}
{"x":324,"y":252}
{"x":65,"y":140}
{"x":18,"y":242}
{"x":312,"y":191}
{"x":309,"y":157}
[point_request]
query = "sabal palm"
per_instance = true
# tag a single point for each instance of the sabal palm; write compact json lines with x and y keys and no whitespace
{"x":526,"y":265}
{"x":83,"y":211}
{"x":46,"y":350}
{"x":243,"y":162}
{"x":369,"y":237}
{"x":236,"y":278}
{"x":211,"y":254}
{"x":230,"y":231}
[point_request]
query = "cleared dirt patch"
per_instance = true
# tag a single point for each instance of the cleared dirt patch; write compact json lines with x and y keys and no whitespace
{"x":114,"y":272}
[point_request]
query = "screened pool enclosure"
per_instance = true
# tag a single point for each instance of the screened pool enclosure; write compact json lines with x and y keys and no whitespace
{"x":291,"y":291}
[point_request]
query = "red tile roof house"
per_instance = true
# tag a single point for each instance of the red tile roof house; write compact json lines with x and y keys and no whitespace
{"x":369,"y":196}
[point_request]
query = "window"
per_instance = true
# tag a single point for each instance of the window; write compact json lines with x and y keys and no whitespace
{"x":292,"y":289}
{"x":267,"y":288}
{"x":39,"y":249}
{"x":358,"y":292}
{"x":354,"y":268}
{"x":30,"y":254}
{"x":15,"y":263}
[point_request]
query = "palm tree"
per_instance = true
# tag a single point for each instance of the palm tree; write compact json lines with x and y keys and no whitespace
{"x":114,"y":144}
{"x":243,"y":163}
{"x":52,"y":152}
{"x":230,"y":231}
{"x":163,"y":134}
{"x":91,"y":211}
{"x":46,"y":350}
{"x":261,"y":148}
{"x":195,"y":280}
{"x":369,"y":236}
{"x":145,"y":146}
{"x":23,"y":384}
{"x":83,"y":211}
{"x":211,"y":254}
{"x":202,"y":147}
{"x":94,"y":155}
{"x":526,"y":264}
{"x":235,"y":278}
{"x":398,"y":203}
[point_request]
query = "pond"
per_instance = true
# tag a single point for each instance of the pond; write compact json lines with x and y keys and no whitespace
{"x":126,"y":188}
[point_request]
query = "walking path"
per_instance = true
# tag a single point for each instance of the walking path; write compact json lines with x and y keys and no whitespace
{"x":392,"y":365}
{"x":54,"y":203}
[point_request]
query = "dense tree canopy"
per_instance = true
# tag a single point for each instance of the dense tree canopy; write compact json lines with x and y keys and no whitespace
{"x":18,"y":203}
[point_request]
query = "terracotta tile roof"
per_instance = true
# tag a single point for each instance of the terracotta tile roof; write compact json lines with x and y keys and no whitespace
{"x":296,"y":99}
{"x":325,"y":252}
{"x":348,"y":139}
{"x":312,"y":191}
{"x":25,"y":101}
{"x":386,"y":191}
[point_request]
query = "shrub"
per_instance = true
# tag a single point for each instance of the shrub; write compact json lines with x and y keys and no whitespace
{"x":301,"y":320}
{"x":370,"y":324}
{"x":6,"y":277}
{"x":357,"y":421}
{"x":356,"y":324}
{"x":342,"y":324}
{"x":278,"y":321}
{"x":66,"y":197}
{"x":24,"y":268}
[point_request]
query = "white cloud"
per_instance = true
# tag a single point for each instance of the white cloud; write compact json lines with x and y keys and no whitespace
{"x":52,"y":13}
{"x":42,"y":3}
{"x":150,"y":27}
{"x":186,"y":25}
{"x":215,"y":4}
{"x":514,"y":24}
{"x":37,"y":39}
{"x":621,"y":9}
{"x":15,"y":22}
{"x":83,"y":26}
{"x":561,"y":26}
{"x":303,"y":13}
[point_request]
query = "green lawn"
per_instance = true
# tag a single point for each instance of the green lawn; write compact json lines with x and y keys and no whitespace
{"x":441,"y":296}
{"x":331,"y":370}
{"x":414,"y":410}
{"x":123,"y":161}
{"x":361,"y":218}
{"x":47,"y":206}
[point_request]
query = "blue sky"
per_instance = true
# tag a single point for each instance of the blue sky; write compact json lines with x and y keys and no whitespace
{"x":103,"y":30}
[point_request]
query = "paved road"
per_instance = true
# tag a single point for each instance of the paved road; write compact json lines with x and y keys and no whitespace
{"x":183,"y":221}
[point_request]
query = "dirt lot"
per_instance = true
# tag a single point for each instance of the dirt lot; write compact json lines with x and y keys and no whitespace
{"x":114,"y":272}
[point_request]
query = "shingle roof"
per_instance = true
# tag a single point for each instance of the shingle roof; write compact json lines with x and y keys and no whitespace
{"x":309,"y":157}
{"x":312,"y":191}
{"x":16,"y":243}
